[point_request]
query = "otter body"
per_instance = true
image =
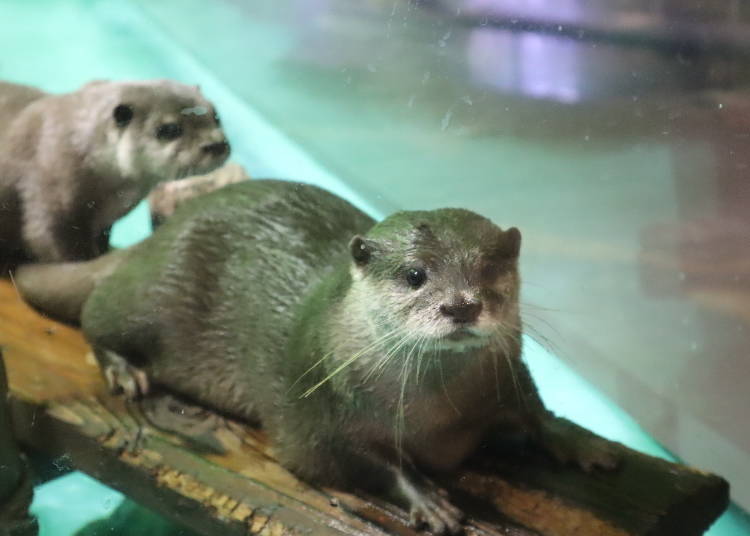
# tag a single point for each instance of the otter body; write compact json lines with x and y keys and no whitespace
{"x":370,"y":352}
{"x":71,"y":164}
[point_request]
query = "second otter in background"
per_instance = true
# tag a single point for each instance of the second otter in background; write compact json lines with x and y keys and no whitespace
{"x":72,"y":164}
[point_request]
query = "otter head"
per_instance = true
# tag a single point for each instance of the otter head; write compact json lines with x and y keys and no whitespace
{"x":160,"y":130}
{"x":447,"y":277}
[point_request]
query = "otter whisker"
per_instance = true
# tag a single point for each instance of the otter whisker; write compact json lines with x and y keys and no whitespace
{"x":541,"y":338}
{"x":344,"y":365}
{"x":539,"y":317}
{"x":379,"y":367}
{"x":400,"y":408}
{"x":525,"y":313}
{"x":415,"y":348}
{"x":420,"y":348}
{"x":424,"y":350}
{"x":381,"y":361}
{"x":445,"y":388}
{"x":318,"y":362}
{"x":516,"y":386}
{"x":500,"y":341}
{"x":497,"y":377}
{"x":525,"y":305}
{"x":380,"y":341}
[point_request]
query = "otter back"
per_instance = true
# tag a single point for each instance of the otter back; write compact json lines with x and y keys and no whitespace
{"x":214,"y":291}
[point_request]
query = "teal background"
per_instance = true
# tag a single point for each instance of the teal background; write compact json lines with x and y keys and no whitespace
{"x":59,"y":45}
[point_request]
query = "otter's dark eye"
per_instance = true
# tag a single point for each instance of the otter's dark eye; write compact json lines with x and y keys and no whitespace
{"x":169,"y":131}
{"x":123,"y":113}
{"x":416,"y":277}
{"x":216,"y":118}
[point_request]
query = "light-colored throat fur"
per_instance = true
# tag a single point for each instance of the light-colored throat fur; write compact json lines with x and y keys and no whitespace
{"x":433,"y":399}
{"x":373,"y":347}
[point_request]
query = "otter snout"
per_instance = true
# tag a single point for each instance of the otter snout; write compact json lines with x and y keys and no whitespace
{"x":462,"y":311}
{"x":217,"y":149}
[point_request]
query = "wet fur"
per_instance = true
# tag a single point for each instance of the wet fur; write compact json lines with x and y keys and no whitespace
{"x":256,"y":301}
{"x":68,"y":170}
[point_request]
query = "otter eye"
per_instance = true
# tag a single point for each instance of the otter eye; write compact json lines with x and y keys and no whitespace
{"x":123,"y":114}
{"x":169,"y":131}
{"x":216,"y":118}
{"x":416,"y":277}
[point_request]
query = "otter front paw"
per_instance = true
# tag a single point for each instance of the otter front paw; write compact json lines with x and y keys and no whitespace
{"x":429,"y":508}
{"x":436,"y":514}
{"x":121,"y":376}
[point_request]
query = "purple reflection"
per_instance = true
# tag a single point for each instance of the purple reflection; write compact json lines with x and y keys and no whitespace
{"x":562,"y":10}
{"x":535,"y":65}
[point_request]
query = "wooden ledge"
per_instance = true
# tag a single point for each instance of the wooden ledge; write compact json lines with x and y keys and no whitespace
{"x":61,"y":407}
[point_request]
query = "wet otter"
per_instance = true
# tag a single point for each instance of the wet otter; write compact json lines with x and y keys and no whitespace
{"x":370,"y":352}
{"x":71,"y":164}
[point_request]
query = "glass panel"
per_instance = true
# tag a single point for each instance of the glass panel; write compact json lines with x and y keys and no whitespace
{"x":613,"y":135}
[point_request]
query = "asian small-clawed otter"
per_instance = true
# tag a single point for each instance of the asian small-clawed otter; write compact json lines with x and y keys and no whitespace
{"x":374,"y":354}
{"x":72,"y":164}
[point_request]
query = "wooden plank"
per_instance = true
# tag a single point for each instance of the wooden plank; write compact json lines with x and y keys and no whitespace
{"x":61,"y":407}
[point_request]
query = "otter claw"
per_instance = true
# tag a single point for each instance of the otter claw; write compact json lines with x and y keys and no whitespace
{"x":122,"y":377}
{"x":430,"y":508}
{"x":438,"y":515}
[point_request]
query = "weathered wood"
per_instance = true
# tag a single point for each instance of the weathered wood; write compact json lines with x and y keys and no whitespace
{"x":61,"y":407}
{"x":645,"y":495}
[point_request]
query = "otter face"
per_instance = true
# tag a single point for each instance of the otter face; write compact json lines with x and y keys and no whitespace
{"x":451,"y":277}
{"x":162,"y":130}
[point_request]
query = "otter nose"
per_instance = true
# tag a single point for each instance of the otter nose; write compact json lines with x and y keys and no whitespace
{"x":462,"y":311}
{"x":217,"y":149}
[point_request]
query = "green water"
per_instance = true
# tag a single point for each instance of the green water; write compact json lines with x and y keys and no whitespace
{"x":59,"y":45}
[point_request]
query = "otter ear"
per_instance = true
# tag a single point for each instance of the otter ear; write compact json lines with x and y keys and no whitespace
{"x":507,"y":246}
{"x":512,"y":242}
{"x":123,"y":114}
{"x":361,"y":250}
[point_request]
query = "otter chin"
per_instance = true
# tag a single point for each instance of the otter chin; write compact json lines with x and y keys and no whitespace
{"x":466,"y":335}
{"x":373,"y":353}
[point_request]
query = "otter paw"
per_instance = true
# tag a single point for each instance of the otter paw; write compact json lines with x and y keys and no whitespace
{"x":194,"y":424}
{"x":436,"y":514}
{"x":122,"y":377}
{"x":429,"y":508}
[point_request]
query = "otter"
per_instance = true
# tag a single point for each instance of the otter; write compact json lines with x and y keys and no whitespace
{"x":71,"y":164}
{"x":167,"y":196}
{"x":373,"y":353}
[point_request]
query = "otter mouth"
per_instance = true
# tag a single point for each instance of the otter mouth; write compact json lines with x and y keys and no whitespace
{"x":460,"y":334}
{"x":198,"y":169}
